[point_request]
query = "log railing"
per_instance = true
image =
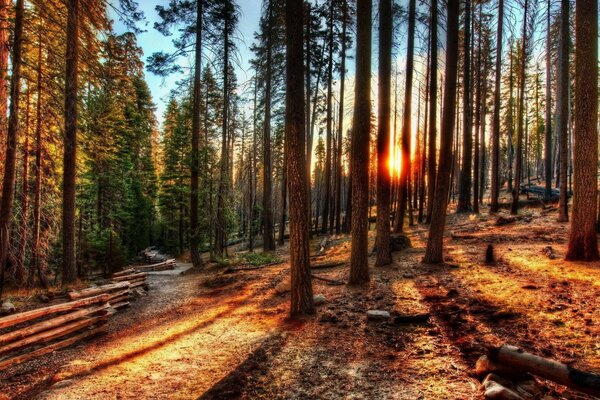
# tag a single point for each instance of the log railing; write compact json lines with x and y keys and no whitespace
{"x":41,"y":331}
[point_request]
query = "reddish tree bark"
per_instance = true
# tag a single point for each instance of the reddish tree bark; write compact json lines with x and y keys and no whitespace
{"x":583,"y":242}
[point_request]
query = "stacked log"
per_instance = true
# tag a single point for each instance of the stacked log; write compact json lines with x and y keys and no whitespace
{"x":41,"y":331}
{"x":134,"y":280}
{"x":151,"y":255}
{"x":118,"y":293}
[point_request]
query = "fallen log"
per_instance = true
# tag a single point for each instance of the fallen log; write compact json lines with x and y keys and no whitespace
{"x":127,"y":271}
{"x":330,"y":281}
{"x":53,"y":347}
{"x":15,"y":319}
{"x":563,"y":374}
{"x":50,"y":323}
{"x":328,"y":265}
{"x":50,"y":335}
{"x":130,"y":278}
{"x":93,"y":291}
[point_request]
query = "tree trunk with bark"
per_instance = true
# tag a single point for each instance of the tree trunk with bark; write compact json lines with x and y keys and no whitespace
{"x":434,"y":250}
{"x":70,"y":150}
{"x":302,"y":294}
{"x":196,"y":134}
{"x":433,"y":88}
{"x":405,"y":170}
{"x":583,"y":242}
{"x":267,"y":201}
{"x":562,"y":105}
{"x":359,"y":260}
{"x":384,"y":253}
{"x":464,"y":193}
{"x":8,"y":186}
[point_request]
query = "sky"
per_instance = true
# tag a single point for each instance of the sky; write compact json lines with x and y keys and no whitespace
{"x":153,"y":41}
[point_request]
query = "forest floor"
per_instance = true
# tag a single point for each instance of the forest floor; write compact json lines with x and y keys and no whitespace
{"x":217,"y":335}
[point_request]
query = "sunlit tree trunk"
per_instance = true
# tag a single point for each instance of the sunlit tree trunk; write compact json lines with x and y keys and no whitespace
{"x":583,"y":242}
{"x":302,"y":295}
{"x":11,"y":142}
{"x":4,"y":50}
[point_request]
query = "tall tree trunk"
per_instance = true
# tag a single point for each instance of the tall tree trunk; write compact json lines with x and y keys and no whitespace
{"x":35,"y":248}
{"x":220,"y":236}
{"x":20,"y":258}
{"x":70,"y":150}
{"x":583,"y":242}
{"x":548,"y":131}
{"x":302,"y":294}
{"x":384,"y":253}
{"x":359,"y":259}
{"x":433,"y":75}
{"x":338,"y":227}
{"x":11,"y":142}
{"x":478,"y":100}
{"x":4,"y":50}
{"x":495,"y":190}
{"x":521,"y":116}
{"x":434,"y":250}
{"x":329,"y":124}
{"x":406,"y":119}
{"x":267,"y":201}
{"x":562,"y":104}
{"x":464,"y":191}
{"x":309,"y":138}
{"x":196,"y":134}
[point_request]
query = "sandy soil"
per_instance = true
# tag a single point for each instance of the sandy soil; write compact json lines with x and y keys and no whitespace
{"x":212,"y":335}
